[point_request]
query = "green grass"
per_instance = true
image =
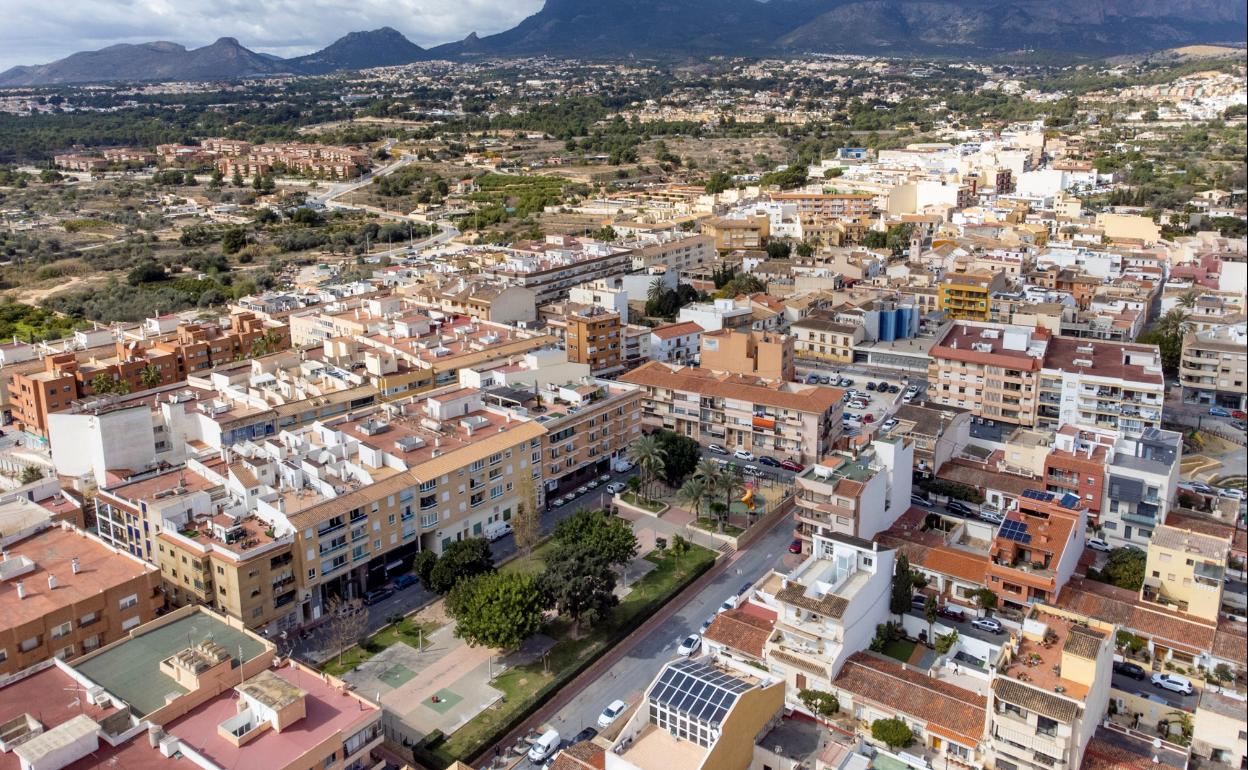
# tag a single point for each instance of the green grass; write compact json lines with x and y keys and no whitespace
{"x":901,"y":649}
{"x":642,"y":502}
{"x":711,"y":525}
{"x":532,"y":564}
{"x":406,"y":630}
{"x":524,"y":688}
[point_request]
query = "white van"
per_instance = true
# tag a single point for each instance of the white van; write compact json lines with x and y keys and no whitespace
{"x":497,"y":531}
{"x":544,"y":746}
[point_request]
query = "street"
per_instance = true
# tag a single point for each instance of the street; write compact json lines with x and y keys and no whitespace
{"x":643,"y":657}
{"x":1146,"y":689}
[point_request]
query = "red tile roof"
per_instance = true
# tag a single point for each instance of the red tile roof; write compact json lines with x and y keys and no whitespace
{"x":1124,"y":608}
{"x":741,"y":631}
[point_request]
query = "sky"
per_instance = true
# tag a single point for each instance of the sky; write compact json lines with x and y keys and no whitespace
{"x":40,"y":31}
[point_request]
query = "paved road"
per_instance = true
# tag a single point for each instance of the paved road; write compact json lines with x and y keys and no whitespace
{"x":314,"y":645}
{"x":1147,"y":690}
{"x":643,"y":657}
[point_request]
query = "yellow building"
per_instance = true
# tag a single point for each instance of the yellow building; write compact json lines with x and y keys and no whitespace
{"x":822,"y":338}
{"x":749,"y":233}
{"x":1185,"y":570}
{"x":1129,"y":227}
{"x":965,"y":296}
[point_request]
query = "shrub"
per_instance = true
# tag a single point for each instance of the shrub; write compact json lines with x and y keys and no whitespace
{"x":822,"y":703}
{"x":892,"y":732}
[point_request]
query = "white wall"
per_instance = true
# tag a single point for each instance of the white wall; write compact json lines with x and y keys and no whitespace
{"x":91,"y":444}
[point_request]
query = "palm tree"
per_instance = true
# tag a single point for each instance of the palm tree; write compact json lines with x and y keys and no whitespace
{"x":693,"y":493}
{"x":1188,"y":299}
{"x":150,"y":376}
{"x":647,"y":453}
{"x":655,"y":291}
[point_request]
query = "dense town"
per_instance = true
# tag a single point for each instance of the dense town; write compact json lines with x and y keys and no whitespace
{"x":833,"y":413}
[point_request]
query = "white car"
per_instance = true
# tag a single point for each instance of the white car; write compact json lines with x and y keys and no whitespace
{"x":751,"y":470}
{"x":716,"y":449}
{"x":611,"y":713}
{"x":729,"y":604}
{"x":889,"y":424}
{"x":1174,"y":683}
{"x":689,"y":646}
{"x":741,"y":454}
{"x":1231,"y":493}
{"x":1097,"y":544}
{"x":616,"y":487}
{"x":991,"y":625}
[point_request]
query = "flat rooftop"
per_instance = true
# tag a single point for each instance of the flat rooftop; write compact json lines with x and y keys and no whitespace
{"x":656,"y":749}
{"x":1039,"y":659}
{"x":131,"y":669}
{"x":329,"y":710}
{"x":51,"y":553}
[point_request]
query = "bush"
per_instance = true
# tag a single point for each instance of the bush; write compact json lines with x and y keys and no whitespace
{"x":823,"y":704}
{"x":423,"y":566}
{"x":892,"y":732}
{"x":953,"y":489}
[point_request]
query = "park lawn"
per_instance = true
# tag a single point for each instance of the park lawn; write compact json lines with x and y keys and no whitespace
{"x":901,"y":649}
{"x":711,"y":525}
{"x":533,"y":564}
{"x":525,"y":687}
{"x":642,"y":502}
{"x":405,"y":630}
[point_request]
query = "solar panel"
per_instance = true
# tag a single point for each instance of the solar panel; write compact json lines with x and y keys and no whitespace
{"x":697,"y":690}
{"x":1070,"y":500}
{"x":1015,"y":530}
{"x":1035,"y":494}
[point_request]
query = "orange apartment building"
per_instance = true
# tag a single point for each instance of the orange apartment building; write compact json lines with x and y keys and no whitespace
{"x":595,"y":337}
{"x":990,"y":369}
{"x":849,"y":206}
{"x":1076,"y":465}
{"x":1037,"y":547}
{"x":64,"y":593}
{"x":750,"y":233}
{"x":135,"y":367}
{"x":754,"y":354}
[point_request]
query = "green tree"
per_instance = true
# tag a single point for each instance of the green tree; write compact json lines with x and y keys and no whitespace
{"x":497,"y":609}
{"x":189,"y":179}
{"x":945,"y":642}
{"x":237,"y":179}
{"x":580,"y":584}
{"x":31,"y":474}
{"x":903,"y":586}
{"x":611,"y":538}
{"x":423,"y":564}
{"x":820,"y":703}
{"x":680,"y":456}
{"x":647,"y":453}
{"x":930,"y":608}
{"x":459,"y":561}
{"x":718,"y":182}
{"x":874,"y":239}
{"x":526,"y":524}
{"x":986,"y":599}
{"x":1124,"y":568}
{"x":103,"y":384}
{"x":894,"y":733}
{"x":150,"y":376}
{"x":233,"y":240}
{"x":897,"y":239}
{"x":693,"y":494}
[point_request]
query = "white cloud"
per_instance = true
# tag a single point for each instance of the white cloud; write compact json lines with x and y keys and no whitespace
{"x":38,"y":31}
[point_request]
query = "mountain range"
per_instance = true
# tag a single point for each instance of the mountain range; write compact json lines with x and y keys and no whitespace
{"x":680,"y":29}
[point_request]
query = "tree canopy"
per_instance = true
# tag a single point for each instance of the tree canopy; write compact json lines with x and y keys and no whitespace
{"x":461,"y":560}
{"x":497,"y":609}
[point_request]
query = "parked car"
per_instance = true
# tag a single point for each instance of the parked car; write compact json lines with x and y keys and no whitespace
{"x":592,"y":483}
{"x":729,"y":604}
{"x":1128,"y":669}
{"x":792,"y":465}
{"x":825,"y":380}
{"x":768,"y":461}
{"x":952,"y":612}
{"x":497,"y":530}
{"x":870,"y":386}
{"x":845,"y":382}
{"x":957,"y":506}
{"x":706,"y":624}
{"x":581,"y":490}
{"x":616,"y":487}
{"x":742,"y":454}
{"x":795,"y":546}
{"x":1173,"y":683}
{"x":918,"y":601}
{"x":1196,"y":486}
{"x":751,"y":470}
{"x":992,"y":517}
{"x":405,"y":580}
{"x":587,"y":734}
{"x":1097,"y":544}
{"x":604,"y":478}
{"x":377,"y":594}
{"x":544,"y":746}
{"x":991,"y":625}
{"x":920,"y":501}
{"x":889,"y":424}
{"x":689,"y":646}
{"x":1231,"y":493}
{"x":1238,"y":414}
{"x":868,"y":417}
{"x":611,"y":713}
{"x":894,"y":389}
{"x":1217,"y":411}
{"x":621,"y":465}
{"x":716,"y":449}
{"x":812,"y":379}
{"x":907,"y":398}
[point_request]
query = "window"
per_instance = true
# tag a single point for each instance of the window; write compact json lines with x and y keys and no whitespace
{"x":88,"y":619}
{"x":129,"y":623}
{"x":62,"y":630}
{"x":65,"y":652}
{"x":30,"y":644}
{"x":128,"y":602}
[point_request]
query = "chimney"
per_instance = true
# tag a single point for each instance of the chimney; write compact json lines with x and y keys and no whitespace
{"x":21,"y":590}
{"x":51,"y":582}
{"x":74,"y":565}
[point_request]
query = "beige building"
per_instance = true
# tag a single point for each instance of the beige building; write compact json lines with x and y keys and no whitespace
{"x":65,"y":593}
{"x":1218,"y":730}
{"x":1131,"y":227}
{"x":784,"y":420}
{"x":1185,"y":571}
{"x":820,"y":337}
{"x":857,"y":495}
{"x":595,"y":337}
{"x":748,"y":233}
{"x":766,"y":355}
{"x":990,"y":369}
{"x":1214,"y":367}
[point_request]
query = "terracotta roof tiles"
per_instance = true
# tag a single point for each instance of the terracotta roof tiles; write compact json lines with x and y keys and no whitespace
{"x":960,"y":712}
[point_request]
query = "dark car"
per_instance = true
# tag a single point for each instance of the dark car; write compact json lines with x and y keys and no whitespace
{"x":894,"y":389}
{"x":870,"y":386}
{"x":918,"y":601}
{"x":1129,"y":670}
{"x":745,"y":589}
{"x":951,"y":612}
{"x":958,"y":507}
{"x":372,"y":597}
{"x":769,"y":461}
{"x":795,"y":546}
{"x":585,"y":735}
{"x":404,"y":581}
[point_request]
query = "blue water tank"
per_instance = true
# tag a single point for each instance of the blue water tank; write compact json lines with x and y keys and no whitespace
{"x":887,"y":322}
{"x":903,"y":323}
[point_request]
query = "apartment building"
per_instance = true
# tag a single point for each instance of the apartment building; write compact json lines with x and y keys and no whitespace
{"x":939,"y":433}
{"x":732,"y":234}
{"x":1218,"y":733}
{"x":595,"y":337}
{"x":1035,"y":551}
{"x":78,"y":162}
{"x":189,"y":690}
{"x":991,"y":369}
{"x":819,"y":337}
{"x":850,"y":206}
{"x":857,"y":495}
{"x":676,"y":343}
{"x":676,"y":250}
{"x":827,"y":609}
{"x":1140,"y":484}
{"x":765,"y":355}
{"x":137,"y":367}
{"x":1075,"y":464}
{"x":550,"y":268}
{"x":1099,"y":384}
{"x":477,"y":298}
{"x":65,"y":593}
{"x":696,"y":714}
{"x":1185,"y":571}
{"x":312,"y":159}
{"x":1214,"y":367}
{"x":1050,"y":691}
{"x":785,"y":419}
{"x":967,"y":296}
